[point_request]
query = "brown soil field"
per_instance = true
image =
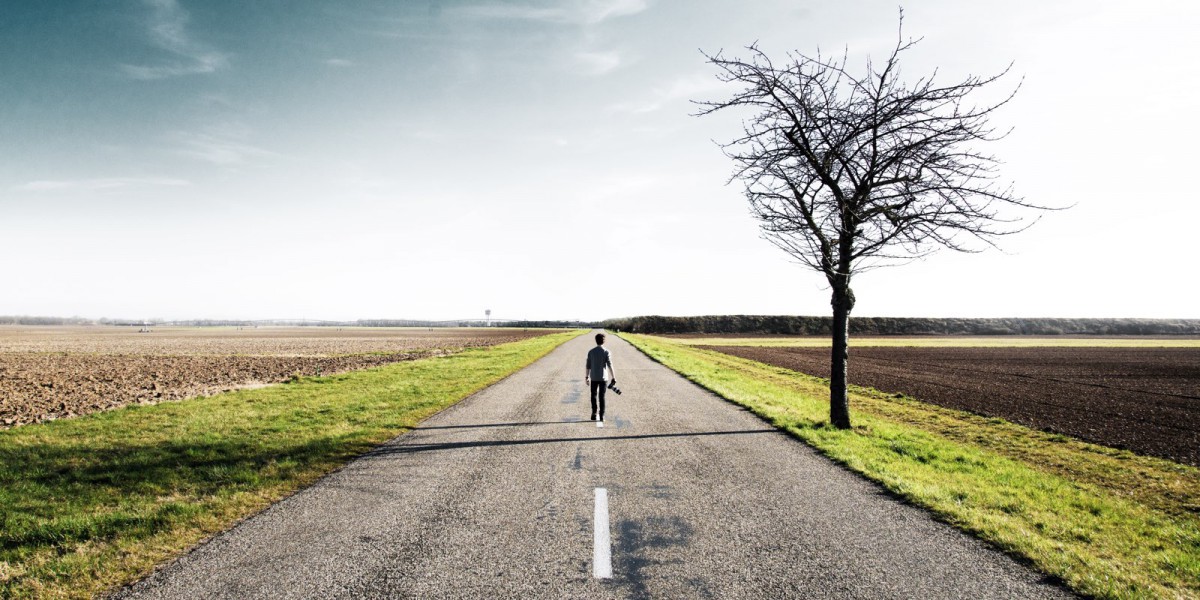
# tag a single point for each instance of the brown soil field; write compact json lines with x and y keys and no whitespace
{"x":48,"y":373}
{"x":1143,"y":399}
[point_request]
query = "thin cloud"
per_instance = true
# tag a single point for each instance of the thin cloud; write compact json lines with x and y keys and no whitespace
{"x":692,"y":87}
{"x":98,"y":185}
{"x":602,"y":10}
{"x":579,"y":12}
{"x":599,"y":63}
{"x":339,"y":62}
{"x":225,"y":146}
{"x":167,"y":29}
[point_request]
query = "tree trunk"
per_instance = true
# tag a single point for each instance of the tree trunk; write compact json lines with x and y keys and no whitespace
{"x":839,"y":400}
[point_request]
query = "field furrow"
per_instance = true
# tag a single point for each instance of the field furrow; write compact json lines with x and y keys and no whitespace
{"x":49,"y":373}
{"x":1143,"y":399}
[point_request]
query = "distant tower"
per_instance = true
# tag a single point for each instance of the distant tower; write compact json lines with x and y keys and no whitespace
{"x":488,"y":312}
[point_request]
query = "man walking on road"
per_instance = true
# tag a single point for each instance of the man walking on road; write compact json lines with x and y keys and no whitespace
{"x":598,"y":360}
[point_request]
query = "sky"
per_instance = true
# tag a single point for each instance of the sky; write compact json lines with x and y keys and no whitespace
{"x":542,"y":159}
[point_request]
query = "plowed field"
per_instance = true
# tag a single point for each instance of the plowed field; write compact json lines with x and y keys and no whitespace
{"x":1143,"y":399}
{"x":54,"y":372}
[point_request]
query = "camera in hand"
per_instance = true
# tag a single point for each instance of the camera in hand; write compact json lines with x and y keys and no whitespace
{"x":612,"y":385}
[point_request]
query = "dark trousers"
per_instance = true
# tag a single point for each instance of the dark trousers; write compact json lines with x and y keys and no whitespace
{"x":598,"y":388}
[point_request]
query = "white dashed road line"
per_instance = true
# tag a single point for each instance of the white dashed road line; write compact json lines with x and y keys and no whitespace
{"x":601,"y":546}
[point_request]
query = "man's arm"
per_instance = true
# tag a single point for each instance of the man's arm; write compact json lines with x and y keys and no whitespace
{"x":608,"y":359}
{"x":587,"y":370}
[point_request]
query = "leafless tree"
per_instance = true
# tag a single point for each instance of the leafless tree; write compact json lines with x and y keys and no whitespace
{"x":847,"y":172}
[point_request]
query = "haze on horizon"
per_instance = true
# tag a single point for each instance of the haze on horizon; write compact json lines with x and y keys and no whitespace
{"x":429,"y":160}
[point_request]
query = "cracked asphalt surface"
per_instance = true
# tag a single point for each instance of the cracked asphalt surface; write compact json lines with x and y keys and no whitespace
{"x":493,"y":497}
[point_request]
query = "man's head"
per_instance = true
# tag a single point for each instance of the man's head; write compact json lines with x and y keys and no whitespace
{"x":599,"y":339}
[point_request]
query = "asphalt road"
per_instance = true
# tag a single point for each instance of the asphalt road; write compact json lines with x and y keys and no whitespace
{"x":496,"y":497}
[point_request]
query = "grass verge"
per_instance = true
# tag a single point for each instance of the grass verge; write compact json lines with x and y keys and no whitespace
{"x":92,"y":503}
{"x":1109,"y":523}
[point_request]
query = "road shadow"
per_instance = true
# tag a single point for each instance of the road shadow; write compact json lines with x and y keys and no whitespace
{"x":402,"y":448}
{"x":575,"y":395}
{"x":487,"y":425}
{"x":637,"y":547}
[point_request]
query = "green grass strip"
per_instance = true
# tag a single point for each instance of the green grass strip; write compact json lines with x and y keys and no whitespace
{"x":1109,"y":523}
{"x":95,"y":502}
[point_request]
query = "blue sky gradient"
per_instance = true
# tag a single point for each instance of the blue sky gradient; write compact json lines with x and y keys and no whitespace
{"x":175,"y":158}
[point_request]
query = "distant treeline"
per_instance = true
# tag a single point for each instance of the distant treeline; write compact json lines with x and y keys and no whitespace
{"x":798,"y":325}
{"x":554,"y":324}
{"x":28,"y":320}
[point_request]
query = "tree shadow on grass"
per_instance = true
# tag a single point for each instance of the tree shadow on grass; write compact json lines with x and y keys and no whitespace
{"x":64,"y":494}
